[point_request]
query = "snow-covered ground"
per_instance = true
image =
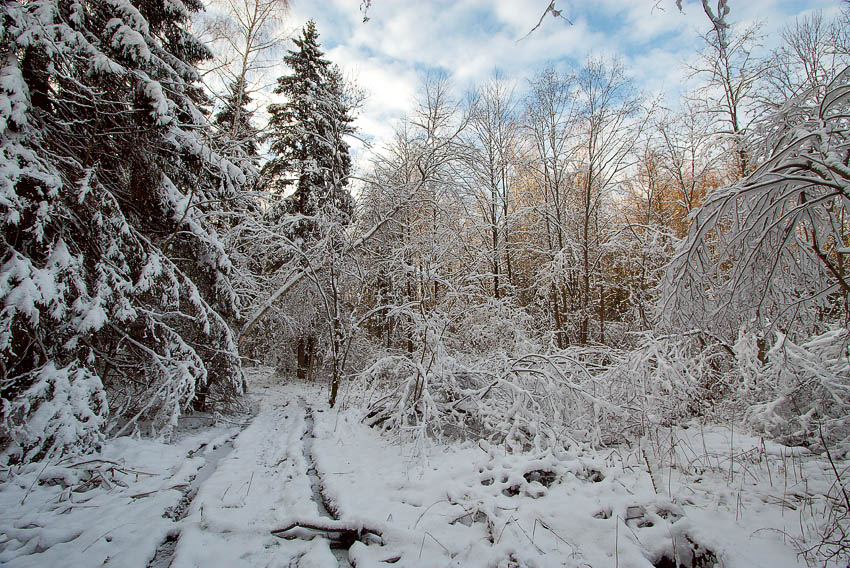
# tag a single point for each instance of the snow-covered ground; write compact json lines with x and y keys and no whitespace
{"x":303,"y":485}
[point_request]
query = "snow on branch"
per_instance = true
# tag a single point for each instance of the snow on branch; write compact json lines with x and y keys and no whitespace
{"x":766,"y":249}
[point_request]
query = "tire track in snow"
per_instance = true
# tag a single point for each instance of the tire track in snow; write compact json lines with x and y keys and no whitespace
{"x":260,"y":486}
{"x":165,"y":551}
{"x":324,"y":506}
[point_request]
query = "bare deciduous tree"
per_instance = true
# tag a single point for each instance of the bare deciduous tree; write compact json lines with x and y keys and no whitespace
{"x":246,"y":33}
{"x":492,"y":162}
{"x":609,"y":128}
{"x":808,"y":58}
{"x":551,"y":116}
{"x":732,"y":73}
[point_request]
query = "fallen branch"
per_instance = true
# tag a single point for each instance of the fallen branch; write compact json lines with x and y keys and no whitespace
{"x":340,"y":533}
{"x":179,"y":487}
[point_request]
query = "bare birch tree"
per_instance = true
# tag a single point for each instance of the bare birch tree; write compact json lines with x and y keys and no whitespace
{"x":493,"y":141}
{"x":732,"y":72}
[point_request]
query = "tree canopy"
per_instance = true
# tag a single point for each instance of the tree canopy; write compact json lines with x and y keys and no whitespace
{"x":307,"y":133}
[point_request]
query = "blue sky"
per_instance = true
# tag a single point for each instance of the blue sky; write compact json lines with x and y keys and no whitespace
{"x":468,"y":39}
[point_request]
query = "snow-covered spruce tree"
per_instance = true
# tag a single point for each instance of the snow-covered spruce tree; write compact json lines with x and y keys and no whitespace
{"x":307,"y":136}
{"x":114,"y":290}
{"x":237,"y":138}
{"x":240,"y":215}
{"x":307,"y":178}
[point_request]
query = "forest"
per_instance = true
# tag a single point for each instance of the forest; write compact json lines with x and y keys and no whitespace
{"x":532,"y":267}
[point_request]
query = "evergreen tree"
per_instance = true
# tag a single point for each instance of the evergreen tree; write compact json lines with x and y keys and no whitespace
{"x":311,"y":163}
{"x":307,"y":135}
{"x":237,"y":137}
{"x":115,"y":290}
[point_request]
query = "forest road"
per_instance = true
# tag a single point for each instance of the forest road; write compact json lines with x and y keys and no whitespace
{"x":269,"y":481}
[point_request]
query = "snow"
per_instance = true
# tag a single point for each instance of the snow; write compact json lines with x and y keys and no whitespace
{"x":159,"y":104}
{"x":130,"y":14}
{"x":14,"y":95}
{"x":24,"y":286}
{"x":128,"y":41}
{"x":64,"y":407}
{"x":429,"y":501}
{"x":258,"y":488}
{"x":296,"y":463}
{"x":49,"y":517}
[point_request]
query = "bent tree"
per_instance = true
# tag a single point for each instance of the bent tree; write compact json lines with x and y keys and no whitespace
{"x":770,"y":252}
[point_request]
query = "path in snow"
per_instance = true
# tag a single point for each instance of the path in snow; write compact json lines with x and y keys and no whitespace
{"x":262,"y":485}
{"x":318,"y":494}
{"x":165,"y":551}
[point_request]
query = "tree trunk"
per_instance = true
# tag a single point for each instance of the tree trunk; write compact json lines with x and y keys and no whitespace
{"x":601,"y":314}
{"x":557,"y":315}
{"x":311,"y":356}
{"x":301,"y":371}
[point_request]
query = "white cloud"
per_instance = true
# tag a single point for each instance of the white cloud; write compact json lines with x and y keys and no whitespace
{"x":471,"y":38}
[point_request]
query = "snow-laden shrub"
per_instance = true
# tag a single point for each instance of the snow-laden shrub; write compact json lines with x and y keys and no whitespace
{"x":460,"y":383}
{"x":547,"y":400}
{"x":492,"y":326}
{"x":63,"y":410}
{"x":667,"y":378}
{"x":805,"y":390}
{"x":791,"y":393}
{"x":544,"y":400}
{"x":535,"y":400}
{"x":423,"y":400}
